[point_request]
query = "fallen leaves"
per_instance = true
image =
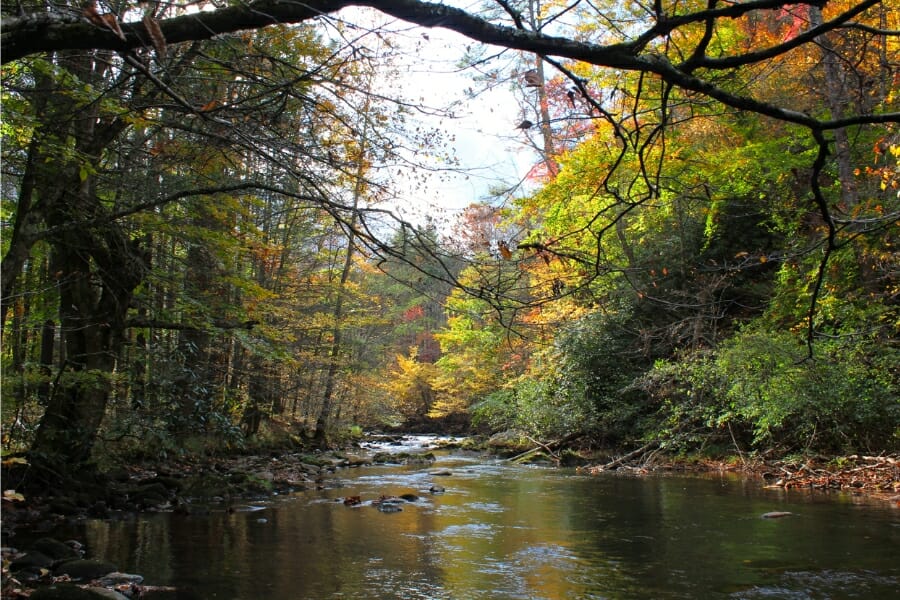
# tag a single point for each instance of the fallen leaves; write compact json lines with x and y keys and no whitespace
{"x":875,"y":474}
{"x":13,"y":496}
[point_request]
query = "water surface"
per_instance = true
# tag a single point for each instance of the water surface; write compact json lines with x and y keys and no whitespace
{"x":503,"y":531}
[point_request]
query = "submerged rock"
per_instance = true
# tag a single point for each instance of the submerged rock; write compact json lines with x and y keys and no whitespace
{"x":776,"y":514}
{"x":115,"y":578}
{"x":108,"y":594}
{"x":67,"y":591}
{"x":168,"y":593}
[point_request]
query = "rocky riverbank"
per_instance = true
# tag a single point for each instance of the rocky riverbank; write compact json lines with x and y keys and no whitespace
{"x":49,"y":569}
{"x":53,"y":570}
{"x":875,"y":478}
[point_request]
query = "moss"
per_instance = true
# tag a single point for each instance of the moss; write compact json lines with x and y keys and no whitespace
{"x":254,"y":483}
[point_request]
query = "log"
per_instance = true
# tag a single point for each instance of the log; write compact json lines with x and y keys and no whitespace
{"x":549,"y":447}
{"x":623,"y":459}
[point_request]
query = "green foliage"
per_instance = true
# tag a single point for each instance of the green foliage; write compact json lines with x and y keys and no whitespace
{"x":600,"y":355}
{"x":496,"y":412}
{"x":580,"y":384}
{"x":762,"y":389}
{"x":549,"y":408}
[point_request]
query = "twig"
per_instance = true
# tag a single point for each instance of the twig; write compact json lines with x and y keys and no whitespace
{"x":623,"y":459}
{"x":549,"y":446}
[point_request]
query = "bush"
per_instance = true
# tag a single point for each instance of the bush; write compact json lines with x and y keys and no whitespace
{"x":762,"y":385}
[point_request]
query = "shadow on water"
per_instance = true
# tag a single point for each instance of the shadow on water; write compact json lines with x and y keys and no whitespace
{"x":504,"y":531}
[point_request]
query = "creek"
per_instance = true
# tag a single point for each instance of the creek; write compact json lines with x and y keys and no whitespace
{"x":506,"y":531}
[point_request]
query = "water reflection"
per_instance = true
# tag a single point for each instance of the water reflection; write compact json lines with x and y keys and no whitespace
{"x":512,"y":532}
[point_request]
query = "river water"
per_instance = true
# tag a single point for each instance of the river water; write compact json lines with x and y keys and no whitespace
{"x":504,"y":531}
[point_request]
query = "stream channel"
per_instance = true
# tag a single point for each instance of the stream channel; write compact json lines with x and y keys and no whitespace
{"x":506,"y":531}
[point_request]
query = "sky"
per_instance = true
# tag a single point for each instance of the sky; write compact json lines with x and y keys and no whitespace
{"x":482,"y":134}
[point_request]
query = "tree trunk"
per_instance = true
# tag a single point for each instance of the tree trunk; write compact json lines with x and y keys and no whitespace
{"x":96,"y":267}
{"x":26,"y":226}
{"x":93,"y":325}
{"x":321,"y":432}
{"x":48,"y":341}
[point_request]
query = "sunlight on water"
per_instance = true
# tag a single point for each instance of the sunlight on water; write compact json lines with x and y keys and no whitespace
{"x":502,"y":531}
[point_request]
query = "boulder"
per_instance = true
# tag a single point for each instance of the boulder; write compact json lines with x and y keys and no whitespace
{"x":509,"y":442}
{"x":84,"y":569}
{"x":403,"y":458}
{"x":264,"y":476}
{"x":55,"y":549}
{"x":31,"y":561}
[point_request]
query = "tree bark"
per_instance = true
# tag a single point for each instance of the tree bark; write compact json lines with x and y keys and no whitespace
{"x":96,"y":271}
{"x":27,"y":221}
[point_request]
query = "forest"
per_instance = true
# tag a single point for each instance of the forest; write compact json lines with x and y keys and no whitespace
{"x":204,"y":247}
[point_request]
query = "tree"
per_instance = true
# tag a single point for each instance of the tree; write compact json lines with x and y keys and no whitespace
{"x":679,"y":48}
{"x":249,"y":107}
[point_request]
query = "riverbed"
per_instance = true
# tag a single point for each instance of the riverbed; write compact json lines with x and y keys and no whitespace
{"x":486,"y":528}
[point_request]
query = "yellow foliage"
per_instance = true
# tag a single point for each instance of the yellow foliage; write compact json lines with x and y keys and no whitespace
{"x":410,"y":385}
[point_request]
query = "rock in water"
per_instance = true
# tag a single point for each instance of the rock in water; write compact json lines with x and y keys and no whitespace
{"x":34,"y":560}
{"x":108,"y":594}
{"x":55,"y":549}
{"x":84,"y":569}
{"x":116,"y":578}
{"x":66,"y":591}
{"x":776,"y":515}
